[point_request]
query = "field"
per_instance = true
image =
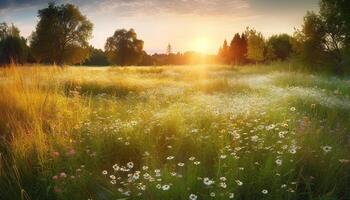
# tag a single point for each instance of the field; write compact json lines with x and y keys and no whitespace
{"x":189,"y":132}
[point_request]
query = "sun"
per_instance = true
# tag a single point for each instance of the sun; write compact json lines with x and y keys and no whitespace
{"x":201,"y":45}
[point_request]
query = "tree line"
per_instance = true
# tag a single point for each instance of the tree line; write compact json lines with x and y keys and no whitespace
{"x":62,"y":33}
{"x":251,"y":47}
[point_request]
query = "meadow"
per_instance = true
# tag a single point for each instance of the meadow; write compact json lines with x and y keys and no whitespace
{"x":175,"y":132}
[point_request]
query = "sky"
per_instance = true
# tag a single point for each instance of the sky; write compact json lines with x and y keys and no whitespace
{"x":188,"y":25}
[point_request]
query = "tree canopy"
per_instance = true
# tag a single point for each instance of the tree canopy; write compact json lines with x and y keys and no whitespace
{"x":279,"y":47}
{"x":13,"y":48}
{"x":324,"y":38}
{"x":123,"y":48}
{"x":61,"y":35}
{"x":256,"y":45}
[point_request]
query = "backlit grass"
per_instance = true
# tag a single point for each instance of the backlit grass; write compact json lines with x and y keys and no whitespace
{"x":190,"y":132}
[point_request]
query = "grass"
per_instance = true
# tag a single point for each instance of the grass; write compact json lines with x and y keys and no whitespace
{"x":190,"y":132}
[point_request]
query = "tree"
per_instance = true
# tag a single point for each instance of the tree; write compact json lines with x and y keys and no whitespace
{"x":13,"y":48}
{"x":97,"y":57}
{"x":324,"y":38}
{"x":243,"y":49}
{"x":6,"y":30}
{"x":279,"y":47}
{"x":238,"y":49}
{"x":224,"y":53}
{"x":123,"y":48}
{"x":308,"y":42}
{"x":256,"y":45}
{"x":169,"y":49}
{"x":61,"y":35}
{"x":235,"y":49}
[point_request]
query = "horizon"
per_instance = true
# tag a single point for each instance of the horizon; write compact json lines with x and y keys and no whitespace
{"x":153,"y":18}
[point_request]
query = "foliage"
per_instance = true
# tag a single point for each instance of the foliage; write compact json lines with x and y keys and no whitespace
{"x":256,"y":45}
{"x":61,"y":35}
{"x":238,"y":49}
{"x":324,"y":37}
{"x":224,"y":53}
{"x":6,"y":30}
{"x":13,"y":48}
{"x":97,"y":57}
{"x":279,"y":47}
{"x":123,"y":48}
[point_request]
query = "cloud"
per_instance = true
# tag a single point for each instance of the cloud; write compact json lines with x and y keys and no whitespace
{"x":133,"y":7}
{"x":198,"y":7}
{"x":4,"y":4}
{"x":137,"y":7}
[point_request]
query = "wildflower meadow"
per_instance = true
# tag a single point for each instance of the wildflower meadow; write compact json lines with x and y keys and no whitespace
{"x":190,"y":132}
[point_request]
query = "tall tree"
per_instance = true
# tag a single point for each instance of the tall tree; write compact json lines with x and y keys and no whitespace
{"x":61,"y":35}
{"x":279,"y":47}
{"x":336,"y":21}
{"x":169,"y":49}
{"x":309,"y":41}
{"x":224,"y":53}
{"x":6,"y":30}
{"x":235,"y":49}
{"x":256,"y":45}
{"x":13,"y":48}
{"x":243,"y":49}
{"x":123,"y":48}
{"x":324,"y":38}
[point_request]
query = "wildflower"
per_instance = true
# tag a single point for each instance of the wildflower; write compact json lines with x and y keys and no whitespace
{"x":197,"y":162}
{"x":130,"y":165}
{"x":264,"y":191}
{"x":223,"y":185}
{"x":283,"y":186}
{"x":212,"y":194}
{"x":112,"y":177}
{"x":158,"y":186}
{"x":55,"y":177}
{"x":293,"y":151}
{"x":192,"y":158}
{"x":56,"y":154}
{"x":223,"y":156}
{"x":293,"y":109}
{"x":170,"y":157}
{"x":254,"y":138}
{"x":144,"y":167}
{"x":63,"y":175}
{"x":239,"y":183}
{"x":113,"y":182}
{"x":223,"y":179}
{"x":165,"y":187}
{"x":115,"y":167}
{"x":327,"y":149}
{"x":104,"y":172}
{"x":192,"y":197}
{"x":207,"y":181}
{"x":71,"y":152}
{"x":180,"y":164}
{"x":279,"y":162}
{"x":231,"y":195}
